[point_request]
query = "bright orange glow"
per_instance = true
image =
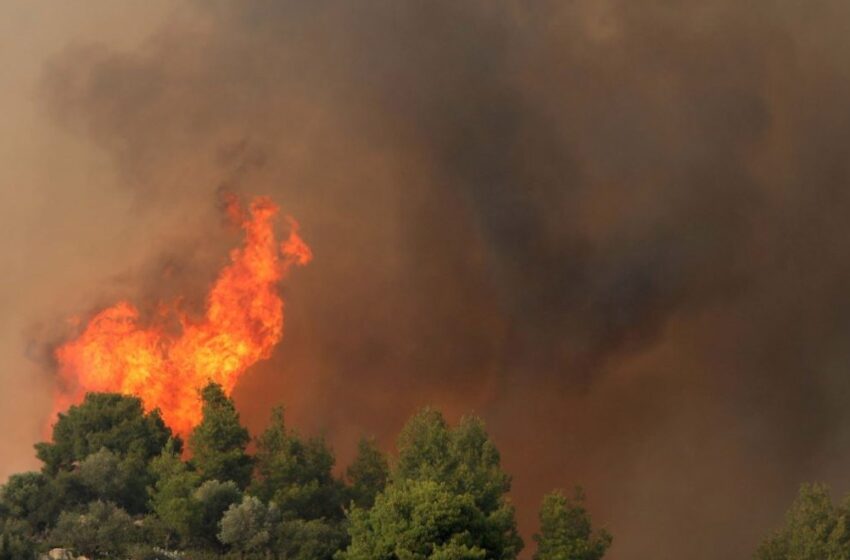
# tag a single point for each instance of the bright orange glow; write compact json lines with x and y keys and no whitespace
{"x":242,"y":324}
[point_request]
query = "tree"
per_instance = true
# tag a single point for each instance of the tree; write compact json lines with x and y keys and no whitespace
{"x":249,"y":526}
{"x":218,"y":443}
{"x":446,"y":499}
{"x":172,"y":494}
{"x":296,"y":475}
{"x":463,"y":458}
{"x":422,"y":520}
{"x":213,"y":498}
{"x":815,"y":529}
{"x":16,"y":541}
{"x":102,"y":530}
{"x":367,"y":474}
{"x":23,"y":495}
{"x":424,"y":448}
{"x":315,"y":539}
{"x":109,"y":477}
{"x":34,"y":498}
{"x":103,"y":420}
{"x":466,"y":462}
{"x":566,"y":532}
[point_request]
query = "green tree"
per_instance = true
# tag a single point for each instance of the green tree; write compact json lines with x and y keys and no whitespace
{"x":218,"y":443}
{"x":172,"y":495}
{"x":418,"y":520}
{"x":446,"y":498}
{"x":16,"y":540}
{"x":424,"y":447}
{"x":463,"y":458}
{"x":35,"y":498}
{"x":367,"y":474}
{"x":102,"y":530}
{"x":815,"y":529}
{"x":316,"y":539}
{"x":103,"y":420}
{"x":109,"y":477}
{"x":296,"y":475}
{"x":566,"y":532}
{"x":249,"y":526}
{"x":213,"y":498}
{"x":23,"y":496}
{"x":466,"y":462}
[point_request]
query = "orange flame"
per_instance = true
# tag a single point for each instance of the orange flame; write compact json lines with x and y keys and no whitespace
{"x":242,"y":323}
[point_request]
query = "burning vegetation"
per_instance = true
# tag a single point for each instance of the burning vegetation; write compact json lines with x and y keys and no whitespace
{"x":166,"y":361}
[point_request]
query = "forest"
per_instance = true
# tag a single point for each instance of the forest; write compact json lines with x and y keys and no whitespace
{"x":117,"y":483}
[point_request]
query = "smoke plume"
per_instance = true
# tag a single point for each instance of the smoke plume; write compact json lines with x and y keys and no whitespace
{"x":616,"y":230}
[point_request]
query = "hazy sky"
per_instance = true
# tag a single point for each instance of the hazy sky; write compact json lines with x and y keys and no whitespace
{"x":58,"y":200}
{"x":616,"y":230}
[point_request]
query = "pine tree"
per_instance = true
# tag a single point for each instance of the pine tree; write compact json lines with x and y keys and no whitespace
{"x":566,"y":532}
{"x":219,"y":442}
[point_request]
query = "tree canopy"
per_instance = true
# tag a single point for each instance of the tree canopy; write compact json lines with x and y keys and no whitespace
{"x":219,"y":442}
{"x":367,"y":474}
{"x":117,"y":423}
{"x":116,"y":484}
{"x":566,"y":532}
{"x":296,"y":474}
{"x":446,"y":499}
{"x":815,"y":529}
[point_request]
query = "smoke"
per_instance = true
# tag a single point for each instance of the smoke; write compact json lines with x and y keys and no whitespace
{"x":616,"y":230}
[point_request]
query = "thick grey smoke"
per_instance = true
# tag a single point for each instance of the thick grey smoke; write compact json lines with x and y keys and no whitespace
{"x":617,"y":230}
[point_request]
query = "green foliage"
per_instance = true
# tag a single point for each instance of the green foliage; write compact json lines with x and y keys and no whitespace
{"x":23,"y":495}
{"x":218,"y":443}
{"x":115,"y":485}
{"x":212,"y":499}
{"x":566,"y":532}
{"x":295,"y":474}
{"x":249,"y":526}
{"x":16,"y":541}
{"x":172,"y":494}
{"x":104,"y":420}
{"x":463,"y":458}
{"x":123,"y":481}
{"x":314,"y":539}
{"x":34,"y":498}
{"x":102,"y":530}
{"x":466,"y":462}
{"x":424,"y":447}
{"x":368,"y":474}
{"x":418,"y":520}
{"x":815,"y":529}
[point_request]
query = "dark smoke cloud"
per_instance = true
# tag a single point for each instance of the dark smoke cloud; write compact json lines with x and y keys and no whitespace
{"x":617,"y":230}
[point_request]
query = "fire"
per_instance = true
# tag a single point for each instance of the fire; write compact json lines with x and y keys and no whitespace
{"x":242,"y":323}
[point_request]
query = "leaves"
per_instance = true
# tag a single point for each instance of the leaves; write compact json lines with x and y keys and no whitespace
{"x":102,"y":530}
{"x":115,"y":484}
{"x":446,"y":499}
{"x":219,"y":442}
{"x":815,"y":529}
{"x":296,"y":474}
{"x":368,"y":474}
{"x":115,"y":422}
{"x":566,"y":532}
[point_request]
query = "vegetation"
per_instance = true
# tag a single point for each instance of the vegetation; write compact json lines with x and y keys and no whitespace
{"x":815,"y":529}
{"x":115,"y":483}
{"x":565,"y":530}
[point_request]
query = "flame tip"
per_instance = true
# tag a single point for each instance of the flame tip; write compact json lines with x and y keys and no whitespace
{"x":242,"y":323}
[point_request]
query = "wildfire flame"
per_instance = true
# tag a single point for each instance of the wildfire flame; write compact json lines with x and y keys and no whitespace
{"x":242,"y":323}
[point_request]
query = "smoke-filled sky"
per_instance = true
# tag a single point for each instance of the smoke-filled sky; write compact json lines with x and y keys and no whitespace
{"x":616,"y":230}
